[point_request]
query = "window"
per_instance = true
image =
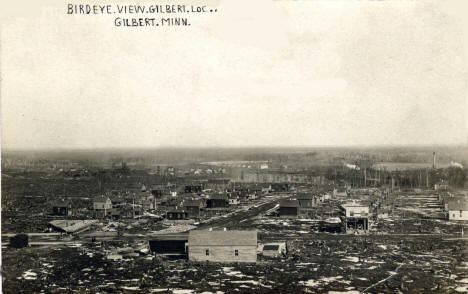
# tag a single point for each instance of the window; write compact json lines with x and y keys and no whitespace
{"x":236,"y":252}
{"x":207,"y":252}
{"x":454,"y":215}
{"x":351,"y":213}
{"x":461,"y":213}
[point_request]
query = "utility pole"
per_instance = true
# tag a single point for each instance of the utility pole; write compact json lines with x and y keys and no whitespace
{"x":133,"y":206}
{"x":105,"y":209}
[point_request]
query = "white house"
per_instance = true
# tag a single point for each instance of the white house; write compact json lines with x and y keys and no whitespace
{"x":458,"y":209}
{"x":222,"y":246}
{"x":102,"y":205}
{"x":354,"y":209}
{"x":357,"y":217}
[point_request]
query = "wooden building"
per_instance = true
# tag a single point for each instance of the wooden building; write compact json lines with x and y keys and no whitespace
{"x":169,"y":244}
{"x":222,"y":246}
{"x":177,"y":214}
{"x":61,"y":208}
{"x":280,"y":187}
{"x":218,"y":184}
{"x":193,"y":189}
{"x":356,"y":216}
{"x":102,"y":205}
{"x":157,"y":192}
{"x":274,"y":249}
{"x":217,"y":201}
{"x":306,"y":200}
{"x":289,"y":208}
{"x":458,"y":209}
{"x":193,"y":207}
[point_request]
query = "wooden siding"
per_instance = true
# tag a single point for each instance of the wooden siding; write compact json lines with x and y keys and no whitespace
{"x":223,"y":253}
{"x":288,"y":211}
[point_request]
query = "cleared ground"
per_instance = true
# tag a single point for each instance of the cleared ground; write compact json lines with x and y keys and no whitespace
{"x":407,"y":252}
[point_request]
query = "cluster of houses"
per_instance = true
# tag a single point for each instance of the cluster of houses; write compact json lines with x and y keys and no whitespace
{"x":192,"y":205}
{"x":354,"y":217}
{"x":123,"y":205}
{"x":176,"y":202}
{"x":302,"y":204}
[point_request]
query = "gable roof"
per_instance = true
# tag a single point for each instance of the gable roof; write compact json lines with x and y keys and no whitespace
{"x":222,"y":238}
{"x":190,"y":202}
{"x":61,"y":203}
{"x":100,"y":199}
{"x":219,"y":197}
{"x":304,"y":196}
{"x":458,"y":204}
{"x":71,"y":226}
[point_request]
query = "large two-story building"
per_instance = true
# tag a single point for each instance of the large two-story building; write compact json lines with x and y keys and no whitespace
{"x":356,"y":217}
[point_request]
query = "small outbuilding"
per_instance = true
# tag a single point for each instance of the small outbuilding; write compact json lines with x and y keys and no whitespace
{"x":169,"y":244}
{"x":289,"y":208}
{"x":217,"y":201}
{"x":274,"y":249}
{"x":61,"y":208}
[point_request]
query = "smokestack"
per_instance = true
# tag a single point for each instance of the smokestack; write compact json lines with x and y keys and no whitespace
{"x":433,"y":160}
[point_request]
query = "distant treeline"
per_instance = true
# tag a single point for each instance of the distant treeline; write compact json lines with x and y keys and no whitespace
{"x":452,"y":176}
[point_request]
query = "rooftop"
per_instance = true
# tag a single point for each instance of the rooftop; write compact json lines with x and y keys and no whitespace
{"x":222,"y":238}
{"x":192,"y":202}
{"x":289,"y":203}
{"x":305,"y":196}
{"x":219,"y":197}
{"x":71,"y":226}
{"x":61,"y":203}
{"x":101,"y":198}
{"x":458,"y":204}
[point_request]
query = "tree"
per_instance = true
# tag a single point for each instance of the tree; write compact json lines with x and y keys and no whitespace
{"x":456,"y":176}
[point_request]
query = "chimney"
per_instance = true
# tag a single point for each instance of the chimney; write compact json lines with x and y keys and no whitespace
{"x":433,"y":160}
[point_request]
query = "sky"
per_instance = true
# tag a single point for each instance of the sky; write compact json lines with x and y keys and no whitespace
{"x":268,"y":73}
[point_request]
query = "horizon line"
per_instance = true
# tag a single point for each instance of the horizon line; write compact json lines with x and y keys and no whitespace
{"x":162,"y":147}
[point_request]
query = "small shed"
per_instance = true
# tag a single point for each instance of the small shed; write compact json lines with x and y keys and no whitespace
{"x":274,"y":249}
{"x":217,"y":201}
{"x":169,"y":244}
{"x":289,"y":208}
{"x":61,"y":208}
